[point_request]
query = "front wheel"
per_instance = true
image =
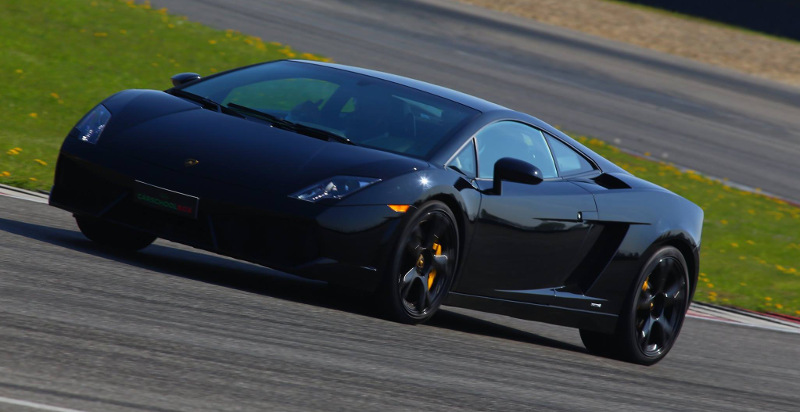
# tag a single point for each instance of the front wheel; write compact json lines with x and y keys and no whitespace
{"x":423,"y":265}
{"x":113,"y":235}
{"x":653,"y":314}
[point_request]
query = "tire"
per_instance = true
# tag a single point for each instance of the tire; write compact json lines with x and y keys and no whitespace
{"x":653,"y":313}
{"x":113,"y":235}
{"x":423,"y":265}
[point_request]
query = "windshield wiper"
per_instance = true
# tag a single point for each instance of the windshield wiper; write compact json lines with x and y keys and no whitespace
{"x":275,"y":120}
{"x":206,"y":102}
{"x":292,"y":126}
{"x":321,"y":133}
{"x":457,"y":169}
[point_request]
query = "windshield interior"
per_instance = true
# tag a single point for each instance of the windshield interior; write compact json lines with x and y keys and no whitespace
{"x":368,"y":111}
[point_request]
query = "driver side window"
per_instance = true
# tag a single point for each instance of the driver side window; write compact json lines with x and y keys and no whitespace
{"x":516,"y":140}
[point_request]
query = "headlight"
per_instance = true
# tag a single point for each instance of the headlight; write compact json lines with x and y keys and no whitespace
{"x":92,"y":125}
{"x":334,"y":188}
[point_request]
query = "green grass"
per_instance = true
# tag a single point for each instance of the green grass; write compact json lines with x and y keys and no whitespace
{"x":61,"y":57}
{"x":751,"y":243}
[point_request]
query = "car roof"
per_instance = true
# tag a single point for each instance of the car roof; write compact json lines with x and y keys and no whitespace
{"x":491,"y":111}
{"x":449,"y":94}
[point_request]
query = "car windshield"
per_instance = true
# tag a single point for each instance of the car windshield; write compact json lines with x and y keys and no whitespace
{"x":365,"y":110}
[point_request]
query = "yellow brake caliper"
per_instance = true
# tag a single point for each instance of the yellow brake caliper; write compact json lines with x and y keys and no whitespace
{"x":644,"y":289}
{"x":437,"y":250}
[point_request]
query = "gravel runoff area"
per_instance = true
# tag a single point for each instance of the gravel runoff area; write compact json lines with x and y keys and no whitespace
{"x":764,"y":56}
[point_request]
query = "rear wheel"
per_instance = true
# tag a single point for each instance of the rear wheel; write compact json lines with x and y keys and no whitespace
{"x":653,"y":314}
{"x":423,"y":265}
{"x":113,"y":235}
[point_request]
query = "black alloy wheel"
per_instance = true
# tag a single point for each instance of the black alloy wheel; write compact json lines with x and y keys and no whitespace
{"x":424,"y":264}
{"x":653,"y":315}
{"x":113,"y":235}
{"x":660,"y":307}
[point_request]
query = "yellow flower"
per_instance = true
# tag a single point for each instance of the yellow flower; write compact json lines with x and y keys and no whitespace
{"x":100,"y":34}
{"x":750,"y":242}
{"x":212,"y":42}
{"x":40,"y":161}
{"x":5,"y":174}
{"x":18,"y":71}
{"x":54,"y":95}
{"x":33,"y":179}
{"x":34,"y":115}
{"x":709,"y":285}
{"x":779,"y":306}
{"x":734,"y":244}
{"x":723,"y":221}
{"x":768,"y":299}
{"x":123,"y":31}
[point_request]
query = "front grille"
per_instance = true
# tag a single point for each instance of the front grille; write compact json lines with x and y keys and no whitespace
{"x":244,"y":232}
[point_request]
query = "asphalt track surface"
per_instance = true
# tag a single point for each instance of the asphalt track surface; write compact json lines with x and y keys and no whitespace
{"x":718,"y":122}
{"x":171,"y":328}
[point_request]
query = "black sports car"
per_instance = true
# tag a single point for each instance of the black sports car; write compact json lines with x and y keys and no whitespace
{"x":419,"y":193}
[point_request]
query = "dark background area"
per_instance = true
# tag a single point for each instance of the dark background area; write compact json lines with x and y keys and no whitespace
{"x":775,"y":17}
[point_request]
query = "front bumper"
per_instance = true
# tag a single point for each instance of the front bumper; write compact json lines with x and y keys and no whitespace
{"x":343,"y":244}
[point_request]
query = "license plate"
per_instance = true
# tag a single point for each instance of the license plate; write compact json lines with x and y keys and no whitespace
{"x":165,"y":199}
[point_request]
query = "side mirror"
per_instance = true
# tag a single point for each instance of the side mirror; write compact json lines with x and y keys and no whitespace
{"x":515,"y":170}
{"x":183,"y":78}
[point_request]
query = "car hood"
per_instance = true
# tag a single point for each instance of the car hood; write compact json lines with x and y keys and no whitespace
{"x":172,"y":133}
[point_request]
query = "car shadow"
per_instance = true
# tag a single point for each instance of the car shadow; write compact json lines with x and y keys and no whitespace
{"x":252,"y":278}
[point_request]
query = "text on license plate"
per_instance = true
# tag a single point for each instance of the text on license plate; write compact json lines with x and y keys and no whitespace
{"x":165,"y":199}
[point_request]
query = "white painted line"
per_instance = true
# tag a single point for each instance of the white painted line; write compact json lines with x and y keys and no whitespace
{"x":24,"y":197}
{"x":747,"y":325}
{"x":34,"y":405}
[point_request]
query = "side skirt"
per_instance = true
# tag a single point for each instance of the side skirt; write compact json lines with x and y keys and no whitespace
{"x":576,"y":318}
